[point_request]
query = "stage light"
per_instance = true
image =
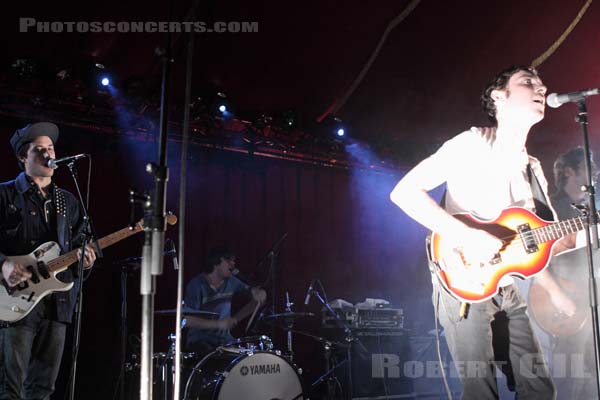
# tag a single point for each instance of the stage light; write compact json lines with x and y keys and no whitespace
{"x":285,"y":120}
{"x":290,"y":118}
{"x":337,"y":126}
{"x":221,"y":106}
{"x":101,"y":77}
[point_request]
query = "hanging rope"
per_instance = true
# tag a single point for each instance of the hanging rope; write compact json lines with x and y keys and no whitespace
{"x":538,"y":61}
{"x":339,"y":102}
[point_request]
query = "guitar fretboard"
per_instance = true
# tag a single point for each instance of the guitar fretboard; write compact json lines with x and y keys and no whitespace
{"x":558,"y":229}
{"x":61,"y":263}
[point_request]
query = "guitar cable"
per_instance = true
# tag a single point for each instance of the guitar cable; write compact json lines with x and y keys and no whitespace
{"x":436,"y":309}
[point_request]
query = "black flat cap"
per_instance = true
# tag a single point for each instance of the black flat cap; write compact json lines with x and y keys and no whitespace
{"x":30,"y":132}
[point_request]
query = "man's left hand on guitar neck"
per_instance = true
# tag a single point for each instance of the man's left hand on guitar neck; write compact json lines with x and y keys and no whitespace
{"x":89,"y":257}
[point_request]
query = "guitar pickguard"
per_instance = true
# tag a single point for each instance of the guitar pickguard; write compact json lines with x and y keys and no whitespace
{"x":16,"y":304}
{"x":522,"y":255}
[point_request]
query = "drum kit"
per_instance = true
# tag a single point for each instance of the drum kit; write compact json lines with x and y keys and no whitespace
{"x":248,"y":368}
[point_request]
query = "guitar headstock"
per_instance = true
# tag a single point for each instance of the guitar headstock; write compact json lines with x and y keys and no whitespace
{"x":170,"y":218}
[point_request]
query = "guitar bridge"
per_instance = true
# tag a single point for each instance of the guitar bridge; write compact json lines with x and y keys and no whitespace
{"x":527,"y":239}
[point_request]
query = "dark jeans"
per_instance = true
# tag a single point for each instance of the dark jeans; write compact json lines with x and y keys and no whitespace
{"x":496,"y":334}
{"x":30,"y":359}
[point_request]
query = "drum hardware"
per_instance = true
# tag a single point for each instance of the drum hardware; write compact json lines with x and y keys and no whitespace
{"x":273,"y":274}
{"x":165,"y":363}
{"x":249,"y":344}
{"x":350,"y":338}
{"x":187,"y":312}
{"x":288,"y":325}
{"x":286,"y":321}
{"x":329,"y":376}
{"x":281,"y":320}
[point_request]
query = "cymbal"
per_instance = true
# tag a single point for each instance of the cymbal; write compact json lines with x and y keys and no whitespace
{"x":187,"y":312}
{"x":287,"y":317}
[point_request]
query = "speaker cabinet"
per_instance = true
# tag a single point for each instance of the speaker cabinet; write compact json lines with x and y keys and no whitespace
{"x":393,"y":365}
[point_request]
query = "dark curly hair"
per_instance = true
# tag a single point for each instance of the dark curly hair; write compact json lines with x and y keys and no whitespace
{"x":499,"y":82}
{"x":572,"y":159}
{"x":214,"y":256}
{"x":22,"y":153}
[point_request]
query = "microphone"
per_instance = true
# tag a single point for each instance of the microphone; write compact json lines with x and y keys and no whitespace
{"x":309,"y":292}
{"x":173,"y":253}
{"x":236,"y":272}
{"x":556,"y":100}
{"x":54,"y":163}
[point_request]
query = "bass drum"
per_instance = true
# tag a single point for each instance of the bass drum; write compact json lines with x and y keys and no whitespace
{"x":235,"y":375}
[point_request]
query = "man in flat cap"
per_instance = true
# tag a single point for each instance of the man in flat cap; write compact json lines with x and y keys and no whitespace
{"x":33,"y":211}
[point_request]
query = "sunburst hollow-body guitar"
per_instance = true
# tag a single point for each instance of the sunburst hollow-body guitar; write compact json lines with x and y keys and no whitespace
{"x":528,"y":242}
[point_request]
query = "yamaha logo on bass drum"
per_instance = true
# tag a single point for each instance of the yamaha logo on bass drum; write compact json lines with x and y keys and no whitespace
{"x":261,"y":369}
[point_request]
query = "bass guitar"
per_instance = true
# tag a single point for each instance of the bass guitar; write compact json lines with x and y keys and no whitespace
{"x":527,"y":247}
{"x":44,"y":263}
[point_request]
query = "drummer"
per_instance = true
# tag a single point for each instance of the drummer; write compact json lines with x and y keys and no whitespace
{"x":212,"y":290}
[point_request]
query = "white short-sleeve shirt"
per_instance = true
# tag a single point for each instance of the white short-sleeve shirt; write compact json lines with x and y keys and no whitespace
{"x":485,"y":174}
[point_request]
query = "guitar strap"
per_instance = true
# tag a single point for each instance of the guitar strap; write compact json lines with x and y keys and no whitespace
{"x":540,"y":201}
{"x":60,"y":205}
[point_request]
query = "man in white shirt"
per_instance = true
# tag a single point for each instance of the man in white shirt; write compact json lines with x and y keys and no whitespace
{"x":485,"y":171}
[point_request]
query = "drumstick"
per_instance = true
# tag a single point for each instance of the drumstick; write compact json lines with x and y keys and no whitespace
{"x":252,"y":317}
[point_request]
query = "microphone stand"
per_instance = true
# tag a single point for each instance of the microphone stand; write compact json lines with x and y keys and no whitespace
{"x":272,"y":255}
{"x":189,"y":68}
{"x":350,"y":337}
{"x":124,"y":332}
{"x":591,"y":236}
{"x":125,"y":270}
{"x":89,"y":237}
{"x":154,"y":232}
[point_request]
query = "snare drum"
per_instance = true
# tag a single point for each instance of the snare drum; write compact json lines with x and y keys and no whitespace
{"x":227,"y":375}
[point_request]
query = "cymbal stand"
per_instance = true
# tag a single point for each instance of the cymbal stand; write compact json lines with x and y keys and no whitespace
{"x":330,"y":372}
{"x":329,"y":375}
{"x":350,"y":337}
{"x":288,"y":326}
{"x":166,"y":367}
{"x":329,"y":346}
{"x":127,"y":266}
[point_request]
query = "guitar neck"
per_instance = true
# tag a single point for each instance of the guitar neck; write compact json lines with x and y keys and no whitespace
{"x":560,"y":229}
{"x":61,"y":263}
